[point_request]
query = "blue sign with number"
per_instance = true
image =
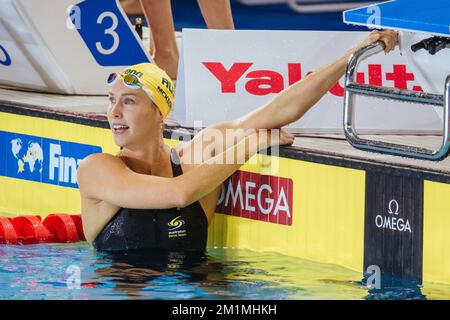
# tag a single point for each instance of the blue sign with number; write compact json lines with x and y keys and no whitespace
{"x":107,"y":34}
{"x":5,"y":59}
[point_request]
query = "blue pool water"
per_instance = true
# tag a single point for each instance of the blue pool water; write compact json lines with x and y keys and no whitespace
{"x":76,"y":271}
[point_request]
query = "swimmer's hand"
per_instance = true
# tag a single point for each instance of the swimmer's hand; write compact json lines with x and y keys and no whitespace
{"x":279,"y":137}
{"x":286,"y":138}
{"x":388,"y":38}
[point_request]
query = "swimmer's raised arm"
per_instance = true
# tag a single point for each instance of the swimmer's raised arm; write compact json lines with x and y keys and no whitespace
{"x":106,"y":178}
{"x":292,"y":103}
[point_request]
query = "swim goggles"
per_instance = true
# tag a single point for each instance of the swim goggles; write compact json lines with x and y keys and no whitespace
{"x":131,"y":81}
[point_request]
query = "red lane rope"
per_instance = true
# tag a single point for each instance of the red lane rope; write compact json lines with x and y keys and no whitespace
{"x":30,"y":229}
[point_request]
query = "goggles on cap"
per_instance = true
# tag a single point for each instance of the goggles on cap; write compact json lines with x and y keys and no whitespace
{"x":131,"y":81}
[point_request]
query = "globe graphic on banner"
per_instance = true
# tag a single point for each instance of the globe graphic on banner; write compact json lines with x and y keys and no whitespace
{"x":31,"y":156}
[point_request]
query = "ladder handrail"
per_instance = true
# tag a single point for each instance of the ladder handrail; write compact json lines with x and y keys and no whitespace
{"x":352,"y":88}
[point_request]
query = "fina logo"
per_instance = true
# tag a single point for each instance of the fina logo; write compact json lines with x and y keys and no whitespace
{"x":32,"y":156}
{"x":176,"y":223}
{"x":43,"y":160}
{"x":65,"y":166}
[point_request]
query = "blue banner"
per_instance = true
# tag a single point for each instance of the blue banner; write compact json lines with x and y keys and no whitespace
{"x":42,"y":160}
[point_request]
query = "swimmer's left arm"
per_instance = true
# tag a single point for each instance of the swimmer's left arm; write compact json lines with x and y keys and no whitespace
{"x":292,"y":103}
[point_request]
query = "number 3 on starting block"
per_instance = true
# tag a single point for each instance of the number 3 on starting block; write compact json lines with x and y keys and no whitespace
{"x":5,"y":59}
{"x":106,"y":33}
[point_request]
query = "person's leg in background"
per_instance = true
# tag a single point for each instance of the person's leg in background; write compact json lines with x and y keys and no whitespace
{"x":217,"y":14}
{"x":131,"y":7}
{"x":159,"y":16}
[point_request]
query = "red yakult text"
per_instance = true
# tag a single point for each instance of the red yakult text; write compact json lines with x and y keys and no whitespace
{"x":263,"y":82}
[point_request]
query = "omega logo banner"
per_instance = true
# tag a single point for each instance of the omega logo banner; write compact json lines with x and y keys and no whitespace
{"x":394,"y":225}
{"x":226,"y":74}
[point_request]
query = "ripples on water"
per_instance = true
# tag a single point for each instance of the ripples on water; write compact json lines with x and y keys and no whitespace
{"x":50,"y":272}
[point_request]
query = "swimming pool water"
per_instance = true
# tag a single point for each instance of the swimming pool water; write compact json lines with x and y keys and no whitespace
{"x":76,"y":271}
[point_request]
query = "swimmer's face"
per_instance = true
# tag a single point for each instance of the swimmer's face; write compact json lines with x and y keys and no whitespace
{"x":132,"y":116}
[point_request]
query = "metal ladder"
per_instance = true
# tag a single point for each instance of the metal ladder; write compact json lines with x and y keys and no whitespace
{"x":352,"y":89}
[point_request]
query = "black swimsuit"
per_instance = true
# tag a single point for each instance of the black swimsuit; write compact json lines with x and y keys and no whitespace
{"x":176,"y":229}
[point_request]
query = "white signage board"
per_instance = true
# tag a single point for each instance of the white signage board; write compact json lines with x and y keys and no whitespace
{"x":227,"y":74}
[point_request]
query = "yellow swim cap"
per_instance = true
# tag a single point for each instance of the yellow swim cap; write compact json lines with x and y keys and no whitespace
{"x":158,"y":84}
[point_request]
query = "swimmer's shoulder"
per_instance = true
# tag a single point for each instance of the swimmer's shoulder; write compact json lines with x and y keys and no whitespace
{"x":98,"y":159}
{"x":95,"y":165}
{"x":95,"y":157}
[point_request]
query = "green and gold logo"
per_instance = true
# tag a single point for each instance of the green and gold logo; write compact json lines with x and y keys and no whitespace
{"x":134,"y":72}
{"x":176,"y":223}
{"x":176,"y":229}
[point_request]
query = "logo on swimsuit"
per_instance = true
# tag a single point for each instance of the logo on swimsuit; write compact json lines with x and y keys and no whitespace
{"x":176,"y":224}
